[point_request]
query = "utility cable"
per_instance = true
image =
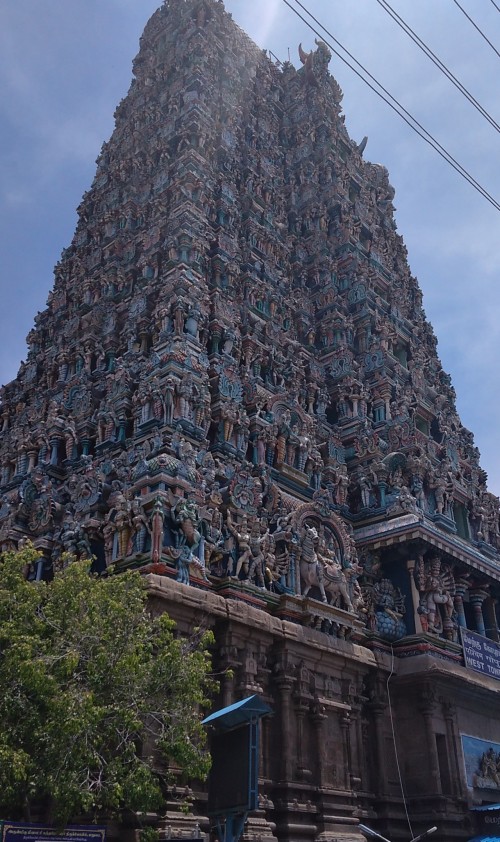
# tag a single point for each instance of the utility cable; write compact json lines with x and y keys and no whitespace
{"x":393,"y":103}
{"x":495,"y":5}
{"x":400,"y":776}
{"x":437,"y":61}
{"x":474,"y":24}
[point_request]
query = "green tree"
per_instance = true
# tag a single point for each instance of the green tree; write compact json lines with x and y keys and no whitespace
{"x":94,"y":694}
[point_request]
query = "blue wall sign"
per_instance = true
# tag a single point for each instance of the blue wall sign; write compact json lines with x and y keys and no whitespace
{"x":481,"y":763}
{"x":481,"y":653}
{"x":18,"y":832}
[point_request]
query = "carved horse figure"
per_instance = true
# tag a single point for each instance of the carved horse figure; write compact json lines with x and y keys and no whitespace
{"x":311,"y":568}
{"x":336,"y":583}
{"x":320,"y":568}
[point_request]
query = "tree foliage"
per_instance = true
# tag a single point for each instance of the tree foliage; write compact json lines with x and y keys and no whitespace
{"x":94,"y":693}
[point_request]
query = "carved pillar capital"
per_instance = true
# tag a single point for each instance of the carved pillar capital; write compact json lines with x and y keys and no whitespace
{"x":477,"y":597}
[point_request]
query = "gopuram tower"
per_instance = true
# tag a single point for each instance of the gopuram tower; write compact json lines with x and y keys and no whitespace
{"x":234,"y":388}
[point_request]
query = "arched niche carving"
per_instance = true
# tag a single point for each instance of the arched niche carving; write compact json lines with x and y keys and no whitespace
{"x":280,"y":404}
{"x":331,"y":527}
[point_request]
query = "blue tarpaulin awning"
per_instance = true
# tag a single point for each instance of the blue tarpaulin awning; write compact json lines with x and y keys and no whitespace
{"x":485,"y":808}
{"x":238,"y":714}
{"x":485,"y":839}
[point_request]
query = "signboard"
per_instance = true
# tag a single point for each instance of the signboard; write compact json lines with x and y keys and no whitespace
{"x":482,"y":763}
{"x":480,"y":653}
{"x":489,"y":823}
{"x":18,"y":832}
{"x":487,"y":820}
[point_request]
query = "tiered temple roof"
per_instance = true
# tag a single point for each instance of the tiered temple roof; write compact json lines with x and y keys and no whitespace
{"x":234,"y":383}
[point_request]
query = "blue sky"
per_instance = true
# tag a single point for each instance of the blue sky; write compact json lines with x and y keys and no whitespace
{"x":65,"y":64}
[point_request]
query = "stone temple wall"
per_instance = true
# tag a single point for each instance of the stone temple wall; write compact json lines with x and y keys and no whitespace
{"x":234,"y":387}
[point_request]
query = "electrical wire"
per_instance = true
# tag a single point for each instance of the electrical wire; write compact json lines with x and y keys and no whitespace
{"x":474,"y":24}
{"x":495,"y":5}
{"x":437,"y":61}
{"x":393,"y":103}
{"x":394,"y":741}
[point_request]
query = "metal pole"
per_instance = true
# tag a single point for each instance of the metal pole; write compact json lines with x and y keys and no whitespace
{"x":375,"y":835}
{"x":424,"y":835}
{"x":233,"y":827}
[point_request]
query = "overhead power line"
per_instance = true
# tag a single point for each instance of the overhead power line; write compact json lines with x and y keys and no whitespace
{"x":437,"y":61}
{"x":474,"y":24}
{"x":495,"y":5}
{"x":392,"y":102}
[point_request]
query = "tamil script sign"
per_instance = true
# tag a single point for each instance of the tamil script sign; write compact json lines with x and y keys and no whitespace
{"x":480,"y":653}
{"x":17,"y":832}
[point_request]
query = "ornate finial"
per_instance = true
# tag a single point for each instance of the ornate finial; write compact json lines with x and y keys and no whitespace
{"x":315,"y":63}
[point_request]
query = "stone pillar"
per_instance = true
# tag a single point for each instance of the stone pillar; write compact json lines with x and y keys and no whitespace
{"x":229,"y":665}
{"x":285,"y":684}
{"x":5,"y":473}
{"x":345,"y":725}
{"x":460,"y":591}
{"x":362,"y":337}
{"x":227,"y":690}
{"x":366,"y":752}
{"x":456,"y":772}
{"x":143,"y":339}
{"x":253,"y":443}
{"x":319,"y":719}
{"x":122,"y":430}
{"x":415,"y":596}
{"x":216,"y":337}
{"x":21,"y":462}
{"x":32,"y":458}
{"x":85,"y":442}
{"x":477,"y":598}
{"x":301,"y":708}
{"x":427,"y":704}
{"x":378,"y":709}
{"x":356,"y":743}
{"x":54,"y":452}
{"x":491,"y":619}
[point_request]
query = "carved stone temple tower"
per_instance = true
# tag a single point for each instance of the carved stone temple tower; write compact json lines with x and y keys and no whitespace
{"x":234,"y":387}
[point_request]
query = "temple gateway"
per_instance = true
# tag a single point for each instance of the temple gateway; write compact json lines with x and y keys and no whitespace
{"x":234,"y":388}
